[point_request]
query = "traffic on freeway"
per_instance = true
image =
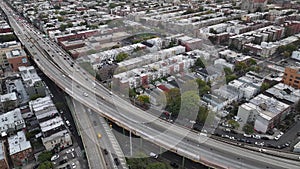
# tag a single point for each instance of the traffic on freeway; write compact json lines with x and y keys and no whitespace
{"x":78,"y":84}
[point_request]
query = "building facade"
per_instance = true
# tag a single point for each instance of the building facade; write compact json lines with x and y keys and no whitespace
{"x":3,"y":158}
{"x":20,"y":149}
{"x":291,"y":77}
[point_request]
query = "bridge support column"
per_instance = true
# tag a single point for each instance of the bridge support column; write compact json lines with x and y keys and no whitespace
{"x":183,"y":159}
{"x":141,"y":143}
{"x":130,"y":142}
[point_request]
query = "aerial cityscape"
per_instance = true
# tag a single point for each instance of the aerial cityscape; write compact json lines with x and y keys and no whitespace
{"x":140,"y":84}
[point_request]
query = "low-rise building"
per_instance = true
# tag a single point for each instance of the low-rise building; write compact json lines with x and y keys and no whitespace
{"x":3,"y":157}
{"x":54,"y":133}
{"x":9,"y":101}
{"x":291,"y":77}
{"x":11,"y":121}
{"x":61,"y":139}
{"x":284,"y":93}
{"x":20,"y":149}
{"x":265,"y":111}
{"x":17,"y":58}
{"x":33,"y":83}
{"x":6,"y":47}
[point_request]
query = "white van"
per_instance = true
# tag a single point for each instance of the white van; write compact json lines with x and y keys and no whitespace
{"x":153,"y":155}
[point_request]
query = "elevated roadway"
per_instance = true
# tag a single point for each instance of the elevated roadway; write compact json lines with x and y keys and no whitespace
{"x":50,"y":58}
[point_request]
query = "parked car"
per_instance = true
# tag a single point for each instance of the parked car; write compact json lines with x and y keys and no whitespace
{"x":173,"y":164}
{"x":55,"y":157}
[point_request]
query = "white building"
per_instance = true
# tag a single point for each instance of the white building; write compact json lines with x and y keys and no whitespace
{"x":11,"y":121}
{"x":266,"y":112}
{"x":296,"y":55}
{"x":54,"y":133}
{"x":297,"y":148}
{"x":29,"y":75}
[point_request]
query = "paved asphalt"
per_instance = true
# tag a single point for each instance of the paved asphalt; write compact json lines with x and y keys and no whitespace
{"x":211,"y":152}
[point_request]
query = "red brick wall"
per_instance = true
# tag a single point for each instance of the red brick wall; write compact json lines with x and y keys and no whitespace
{"x":17,"y":61}
{"x":3,"y":164}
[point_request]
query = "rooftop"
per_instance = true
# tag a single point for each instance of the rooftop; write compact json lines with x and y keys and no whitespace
{"x":29,"y":75}
{"x":8,"y":97}
{"x":268,"y":107}
{"x":15,"y":53}
{"x":18,"y":143}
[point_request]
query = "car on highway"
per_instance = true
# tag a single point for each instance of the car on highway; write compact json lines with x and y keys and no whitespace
{"x":85,"y":94}
{"x":117,"y":162}
{"x":55,"y":157}
{"x":99,"y":135}
{"x":153,"y":155}
{"x":105,"y":151}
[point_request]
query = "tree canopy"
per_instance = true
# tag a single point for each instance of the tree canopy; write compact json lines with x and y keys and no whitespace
{"x":173,"y":98}
{"x":46,"y":165}
{"x":248,"y":129}
{"x":44,"y":156}
{"x":121,"y":56}
{"x":143,"y":99}
{"x":190,"y":103}
{"x":158,"y":165}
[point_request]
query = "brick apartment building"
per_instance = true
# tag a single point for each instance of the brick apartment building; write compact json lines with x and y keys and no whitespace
{"x":20,"y":149}
{"x":291,"y":77}
{"x":3,"y":159}
{"x":17,"y":58}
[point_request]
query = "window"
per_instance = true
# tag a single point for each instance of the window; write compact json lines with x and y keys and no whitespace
{"x":298,"y":78}
{"x":296,"y":81}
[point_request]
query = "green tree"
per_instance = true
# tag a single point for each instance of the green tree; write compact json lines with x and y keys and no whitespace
{"x":252,"y":61}
{"x":132,"y":93}
{"x":173,"y":98}
{"x":202,"y":114}
{"x":143,"y":99}
{"x":69,"y":25}
{"x":7,"y":38}
{"x":264,"y":87}
{"x":121,"y":56}
{"x":56,"y":7}
{"x":138,"y":163}
{"x":60,"y":19}
{"x":62,"y":12}
{"x":62,"y":27}
{"x":199,"y":63}
{"x":190,"y":103}
{"x":158,"y":165}
{"x":46,"y":165}
{"x":286,"y":54}
{"x":227,"y":71}
{"x":203,"y":87}
{"x":230,"y":78}
{"x":234,"y":124}
{"x":34,"y":97}
{"x":248,"y":129}
{"x":240,"y":66}
{"x":44,"y":156}
{"x":8,"y":105}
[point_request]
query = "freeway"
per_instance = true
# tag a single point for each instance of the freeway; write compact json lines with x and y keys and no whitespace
{"x":107,"y":140}
{"x":170,"y":136}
